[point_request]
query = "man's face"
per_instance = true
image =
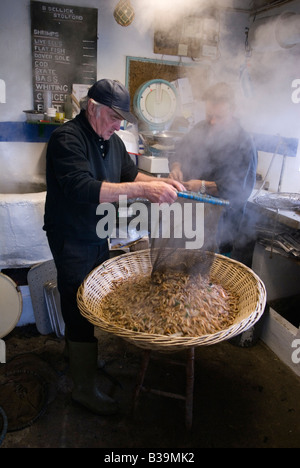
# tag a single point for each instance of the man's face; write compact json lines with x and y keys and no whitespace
{"x":105,"y":121}
{"x":218,"y":113}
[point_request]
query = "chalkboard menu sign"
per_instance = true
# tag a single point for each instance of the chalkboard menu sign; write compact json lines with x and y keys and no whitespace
{"x":64,"y":50}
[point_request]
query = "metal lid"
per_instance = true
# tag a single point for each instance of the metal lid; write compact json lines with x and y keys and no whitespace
{"x":11,"y":304}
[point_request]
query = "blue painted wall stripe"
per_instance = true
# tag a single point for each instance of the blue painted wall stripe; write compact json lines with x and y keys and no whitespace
{"x":39,"y":133}
{"x":27,"y":132}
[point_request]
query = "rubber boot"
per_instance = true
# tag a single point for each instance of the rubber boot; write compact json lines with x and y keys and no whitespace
{"x":83,"y":368}
{"x":66,"y":354}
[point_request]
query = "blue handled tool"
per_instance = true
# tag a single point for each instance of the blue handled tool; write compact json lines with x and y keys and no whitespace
{"x":203,"y":198}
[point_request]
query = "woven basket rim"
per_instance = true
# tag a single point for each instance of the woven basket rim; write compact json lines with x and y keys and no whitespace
{"x":169,"y":342}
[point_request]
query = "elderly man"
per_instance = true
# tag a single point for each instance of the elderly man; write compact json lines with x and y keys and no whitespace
{"x":218,"y":157}
{"x":87,"y":164}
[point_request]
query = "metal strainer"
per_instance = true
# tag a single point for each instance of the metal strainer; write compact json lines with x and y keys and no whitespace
{"x":280,"y":201}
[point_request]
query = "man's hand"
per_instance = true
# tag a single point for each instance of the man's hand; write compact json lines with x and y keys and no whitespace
{"x":176,"y":172}
{"x":175,"y":183}
{"x":194,"y":185}
{"x":160,"y":192}
{"x":156,"y":190}
{"x":159,"y":189}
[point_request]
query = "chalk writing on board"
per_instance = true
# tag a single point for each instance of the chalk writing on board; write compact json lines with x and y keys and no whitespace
{"x":64,"y":50}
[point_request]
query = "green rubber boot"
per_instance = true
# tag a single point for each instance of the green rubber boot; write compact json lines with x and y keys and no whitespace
{"x":83,"y":368}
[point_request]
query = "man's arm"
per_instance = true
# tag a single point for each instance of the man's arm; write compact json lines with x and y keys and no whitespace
{"x":154,"y":189}
{"x":176,"y":172}
{"x":193,"y":185}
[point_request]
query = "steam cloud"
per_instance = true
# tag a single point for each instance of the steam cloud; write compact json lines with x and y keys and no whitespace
{"x":261,"y":71}
{"x":261,"y":74}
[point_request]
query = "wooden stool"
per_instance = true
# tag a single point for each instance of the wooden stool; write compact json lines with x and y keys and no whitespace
{"x":189,"y":393}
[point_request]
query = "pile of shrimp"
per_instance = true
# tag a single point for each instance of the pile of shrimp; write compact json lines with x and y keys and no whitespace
{"x":172,"y":303}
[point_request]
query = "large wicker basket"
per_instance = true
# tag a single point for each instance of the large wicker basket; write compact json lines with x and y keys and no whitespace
{"x":232,"y":275}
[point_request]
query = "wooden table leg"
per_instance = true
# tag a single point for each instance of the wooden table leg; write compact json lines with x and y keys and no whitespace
{"x":189,"y":387}
{"x":140,"y":377}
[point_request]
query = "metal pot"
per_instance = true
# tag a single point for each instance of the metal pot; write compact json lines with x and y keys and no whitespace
{"x":33,"y":115}
{"x":164,"y":138}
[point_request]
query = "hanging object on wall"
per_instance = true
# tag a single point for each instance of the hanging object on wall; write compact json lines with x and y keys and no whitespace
{"x":274,"y":33}
{"x":124,"y":13}
{"x":195,"y":36}
{"x":245,"y":80}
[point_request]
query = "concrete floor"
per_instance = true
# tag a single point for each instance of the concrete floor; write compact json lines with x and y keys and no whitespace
{"x":243,"y":398}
